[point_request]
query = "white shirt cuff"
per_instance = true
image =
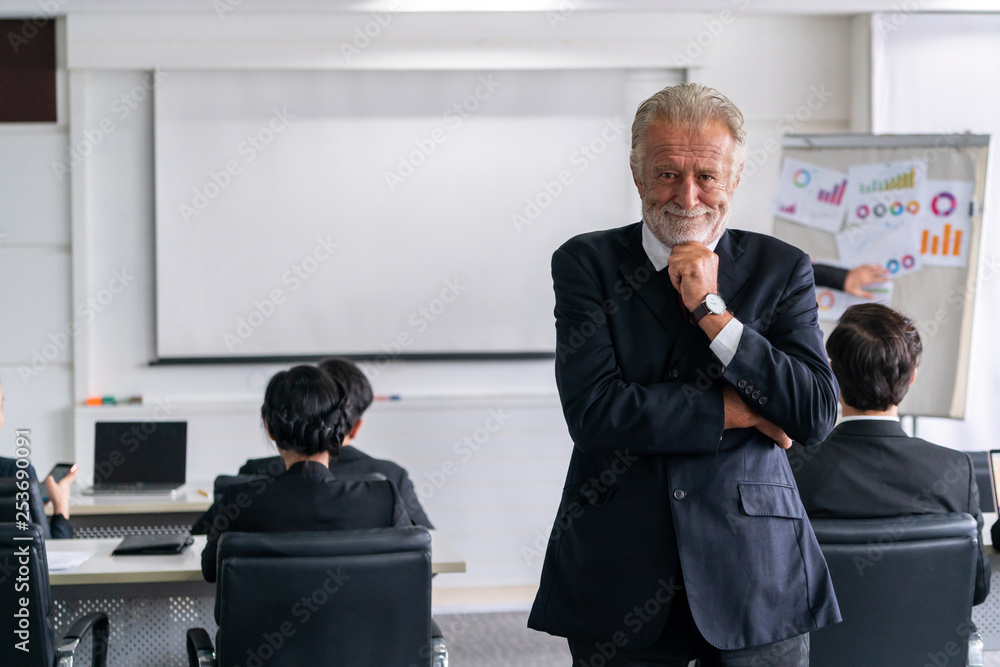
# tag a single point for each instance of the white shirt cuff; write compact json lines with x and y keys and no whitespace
{"x":725,"y":344}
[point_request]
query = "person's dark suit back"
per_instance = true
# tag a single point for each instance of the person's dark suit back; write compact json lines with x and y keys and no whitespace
{"x":872,"y":469}
{"x":307,"y":497}
{"x":354,"y":463}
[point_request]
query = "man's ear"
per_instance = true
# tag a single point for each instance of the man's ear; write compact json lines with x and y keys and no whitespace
{"x":913,"y":378}
{"x":638,"y":182}
{"x":353,"y":434}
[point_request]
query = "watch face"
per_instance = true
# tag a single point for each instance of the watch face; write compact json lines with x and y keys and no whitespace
{"x":715,"y":304}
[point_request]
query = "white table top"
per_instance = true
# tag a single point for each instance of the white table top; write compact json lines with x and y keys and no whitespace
{"x":103,"y":568}
{"x":192,"y":497}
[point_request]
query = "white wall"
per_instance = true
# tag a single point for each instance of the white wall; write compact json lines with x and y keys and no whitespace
{"x":787,"y":73}
{"x":36,"y":352}
{"x":936,"y":74}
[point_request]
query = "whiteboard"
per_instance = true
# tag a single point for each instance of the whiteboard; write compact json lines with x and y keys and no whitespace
{"x":305,"y":213}
{"x":939,"y":300}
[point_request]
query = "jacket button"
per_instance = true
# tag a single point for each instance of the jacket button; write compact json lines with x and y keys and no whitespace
{"x":674,"y":373}
{"x":680,"y":494}
{"x":762,"y":400}
{"x":741,"y":384}
{"x":755,"y":395}
{"x":748,"y":389}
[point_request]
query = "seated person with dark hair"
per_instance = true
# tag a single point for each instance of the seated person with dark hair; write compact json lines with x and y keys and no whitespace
{"x":57,"y":526}
{"x":305,"y":414}
{"x":868,"y":467}
{"x":353,"y":462}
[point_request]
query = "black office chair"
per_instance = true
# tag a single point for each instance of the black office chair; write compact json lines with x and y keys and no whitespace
{"x":359,"y":597}
{"x":984,"y":480}
{"x":905,"y":587}
{"x":26,"y":603}
{"x":10,"y":487}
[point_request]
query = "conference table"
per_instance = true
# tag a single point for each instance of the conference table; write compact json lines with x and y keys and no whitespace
{"x":151,"y":600}
{"x":104,"y":569}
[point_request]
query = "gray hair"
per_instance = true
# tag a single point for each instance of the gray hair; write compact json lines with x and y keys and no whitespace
{"x":694,"y":105}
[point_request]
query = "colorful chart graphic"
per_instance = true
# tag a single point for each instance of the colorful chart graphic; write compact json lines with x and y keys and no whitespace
{"x":943,"y":204}
{"x":810,"y":195}
{"x":906,"y":262}
{"x":903,"y":181}
{"x":896,"y":208}
{"x":825,"y":299}
{"x":832,"y":303}
{"x":834,"y":196}
{"x":940,"y":246}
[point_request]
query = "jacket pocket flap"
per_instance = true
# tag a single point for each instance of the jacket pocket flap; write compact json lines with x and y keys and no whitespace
{"x":770,"y":499}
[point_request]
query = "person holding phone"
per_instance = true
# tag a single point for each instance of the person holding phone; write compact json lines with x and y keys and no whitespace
{"x":57,"y":526}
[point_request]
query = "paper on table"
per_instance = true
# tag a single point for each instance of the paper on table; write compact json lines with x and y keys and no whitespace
{"x":60,"y":561}
{"x":832,"y":303}
{"x":896,"y":249}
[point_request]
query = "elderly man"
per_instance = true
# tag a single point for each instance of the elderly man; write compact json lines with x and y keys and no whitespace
{"x":687,"y":356}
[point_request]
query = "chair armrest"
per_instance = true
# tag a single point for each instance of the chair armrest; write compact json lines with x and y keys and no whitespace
{"x":200,"y":650}
{"x":96,"y":623}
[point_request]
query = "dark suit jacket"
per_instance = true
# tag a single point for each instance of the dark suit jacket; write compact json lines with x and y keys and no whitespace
{"x":655,"y":484}
{"x":306,"y":497}
{"x":829,"y":276}
{"x":355,"y":463}
{"x":871,"y":469}
{"x":54,"y":527}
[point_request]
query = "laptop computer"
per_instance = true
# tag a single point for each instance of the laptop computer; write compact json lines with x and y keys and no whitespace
{"x":139,"y":457}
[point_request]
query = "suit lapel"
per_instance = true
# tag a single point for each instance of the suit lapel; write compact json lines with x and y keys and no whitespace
{"x":658,"y":294}
{"x":654,"y":289}
{"x":732,"y":276}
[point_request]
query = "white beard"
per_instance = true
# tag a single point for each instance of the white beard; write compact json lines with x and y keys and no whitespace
{"x":673,"y":225}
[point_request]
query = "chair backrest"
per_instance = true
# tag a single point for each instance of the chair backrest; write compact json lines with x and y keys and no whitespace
{"x":984,"y":480}
{"x":25,"y":598}
{"x":360,"y":597}
{"x":905,"y":587}
{"x":10,"y":487}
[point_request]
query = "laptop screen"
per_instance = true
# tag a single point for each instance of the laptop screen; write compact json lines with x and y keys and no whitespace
{"x":145,"y":452}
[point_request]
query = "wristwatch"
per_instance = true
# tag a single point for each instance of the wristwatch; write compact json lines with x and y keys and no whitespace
{"x":713,"y":304}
